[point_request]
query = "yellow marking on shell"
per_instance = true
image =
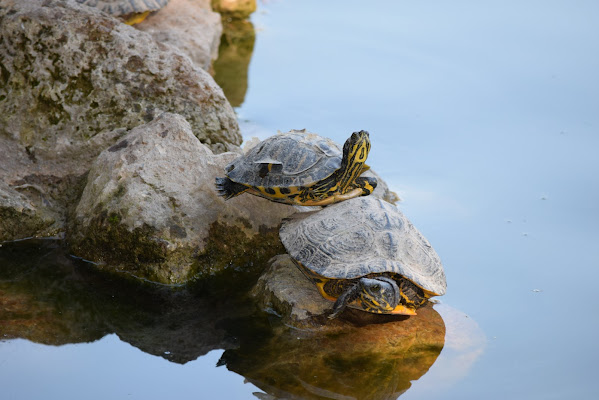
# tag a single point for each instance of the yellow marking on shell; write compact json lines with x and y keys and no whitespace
{"x":320,"y":285}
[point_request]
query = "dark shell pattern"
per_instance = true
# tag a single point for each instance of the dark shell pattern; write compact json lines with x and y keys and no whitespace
{"x":298,"y":158}
{"x":123,"y":7}
{"x":362,"y":236}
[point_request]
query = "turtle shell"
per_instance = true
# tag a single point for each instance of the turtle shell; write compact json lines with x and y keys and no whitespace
{"x":296,"y":158}
{"x":123,"y":7}
{"x":362,"y":236}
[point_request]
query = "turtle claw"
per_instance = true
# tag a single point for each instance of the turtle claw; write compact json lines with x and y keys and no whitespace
{"x":337,"y":309}
{"x":346,"y":297}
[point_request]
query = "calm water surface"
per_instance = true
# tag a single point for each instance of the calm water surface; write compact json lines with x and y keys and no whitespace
{"x":484,"y":119}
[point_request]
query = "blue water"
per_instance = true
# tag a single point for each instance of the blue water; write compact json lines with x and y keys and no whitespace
{"x":484,"y":118}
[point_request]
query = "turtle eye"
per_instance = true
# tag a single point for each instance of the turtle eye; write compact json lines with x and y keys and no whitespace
{"x":376,"y":286}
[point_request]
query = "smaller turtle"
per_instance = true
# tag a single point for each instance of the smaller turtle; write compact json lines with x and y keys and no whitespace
{"x":301,"y":168}
{"x":365,"y":254}
{"x":132,"y":11}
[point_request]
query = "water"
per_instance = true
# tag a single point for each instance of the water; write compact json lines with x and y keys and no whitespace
{"x":484,"y":119}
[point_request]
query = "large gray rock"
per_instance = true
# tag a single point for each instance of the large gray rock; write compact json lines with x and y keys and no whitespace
{"x":69,"y":90}
{"x":150,"y":208}
{"x":189,"y":25}
{"x":62,"y":84}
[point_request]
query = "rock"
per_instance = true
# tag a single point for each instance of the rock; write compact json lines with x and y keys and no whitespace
{"x":124,"y":7}
{"x":234,"y":56}
{"x":189,"y":25}
{"x":20,"y":218}
{"x":62,"y":84}
{"x":237,"y":9}
{"x":285,"y":291}
{"x":150,"y":208}
{"x":70,"y":90}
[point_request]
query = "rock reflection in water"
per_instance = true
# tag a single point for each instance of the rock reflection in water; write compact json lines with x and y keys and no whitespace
{"x":234,"y":56}
{"x":376,"y":361}
{"x":50,"y":298}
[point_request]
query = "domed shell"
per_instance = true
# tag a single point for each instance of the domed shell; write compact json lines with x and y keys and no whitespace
{"x":298,"y":158}
{"x":362,"y":236}
{"x":123,"y":7}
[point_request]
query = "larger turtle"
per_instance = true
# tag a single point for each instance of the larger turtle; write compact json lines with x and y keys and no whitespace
{"x":365,"y":253}
{"x":301,"y":168}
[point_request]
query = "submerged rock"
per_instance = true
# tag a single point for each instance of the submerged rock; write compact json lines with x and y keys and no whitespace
{"x":150,"y":208}
{"x":189,"y":25}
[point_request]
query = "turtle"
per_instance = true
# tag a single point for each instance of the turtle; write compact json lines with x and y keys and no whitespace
{"x":301,"y":168}
{"x":365,"y":254}
{"x":133,"y":11}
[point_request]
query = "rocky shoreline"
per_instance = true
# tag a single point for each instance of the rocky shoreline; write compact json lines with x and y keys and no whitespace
{"x":111,"y":137}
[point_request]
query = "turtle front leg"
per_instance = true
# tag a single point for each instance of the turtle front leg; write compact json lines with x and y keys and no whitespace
{"x":349,"y":295}
{"x":365,"y":184}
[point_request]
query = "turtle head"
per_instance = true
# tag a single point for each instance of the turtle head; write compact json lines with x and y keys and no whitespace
{"x":355,"y":152}
{"x":356,"y":148}
{"x":378,"y":295}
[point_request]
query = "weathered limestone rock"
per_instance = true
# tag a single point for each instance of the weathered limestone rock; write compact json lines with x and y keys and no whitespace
{"x":189,"y":25}
{"x":62,"y":84}
{"x":20,"y":218}
{"x":238,"y":9}
{"x":121,"y":7}
{"x":150,"y":208}
{"x":70,"y":90}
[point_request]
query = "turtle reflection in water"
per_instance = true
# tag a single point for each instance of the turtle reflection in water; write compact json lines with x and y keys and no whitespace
{"x":374,"y":361}
{"x":365,"y":253}
{"x":301,"y":168}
